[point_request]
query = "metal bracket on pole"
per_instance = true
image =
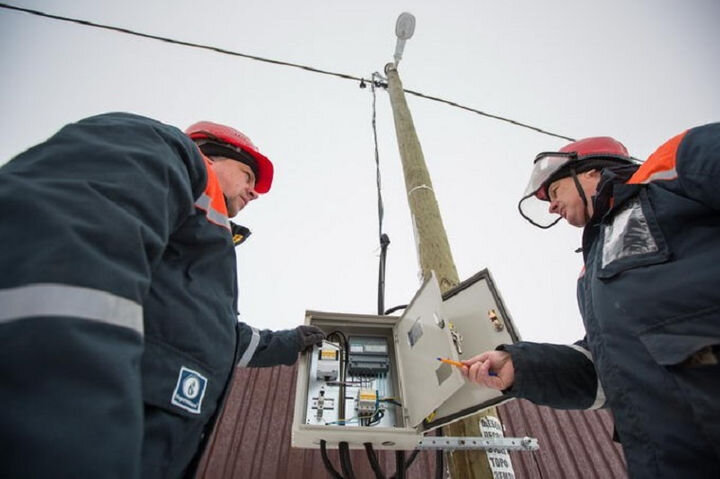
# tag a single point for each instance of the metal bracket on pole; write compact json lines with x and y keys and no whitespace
{"x":468,"y":443}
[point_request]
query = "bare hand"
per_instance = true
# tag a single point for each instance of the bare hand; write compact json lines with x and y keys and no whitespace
{"x":477,"y":369}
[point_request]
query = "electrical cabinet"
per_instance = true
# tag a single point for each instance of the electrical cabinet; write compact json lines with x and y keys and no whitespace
{"x":376,"y":379}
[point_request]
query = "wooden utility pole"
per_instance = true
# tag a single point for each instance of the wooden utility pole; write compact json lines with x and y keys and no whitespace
{"x":434,"y":255}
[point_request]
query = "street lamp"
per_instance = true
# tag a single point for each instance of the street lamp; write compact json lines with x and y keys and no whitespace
{"x":404,"y":29}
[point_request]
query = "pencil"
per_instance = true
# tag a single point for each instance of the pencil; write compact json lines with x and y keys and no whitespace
{"x":451,"y":362}
{"x":460,"y":365}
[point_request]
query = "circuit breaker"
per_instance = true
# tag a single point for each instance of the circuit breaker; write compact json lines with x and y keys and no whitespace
{"x":376,"y":379}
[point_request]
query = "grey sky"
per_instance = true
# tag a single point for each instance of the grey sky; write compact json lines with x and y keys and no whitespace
{"x":641,"y":71}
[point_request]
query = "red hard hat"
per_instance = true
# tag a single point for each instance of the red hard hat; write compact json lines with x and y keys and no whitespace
{"x":590,"y":153}
{"x":597,"y":146}
{"x":225,"y":134}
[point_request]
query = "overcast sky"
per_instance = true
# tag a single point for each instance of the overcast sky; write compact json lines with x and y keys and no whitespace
{"x":639,"y":70}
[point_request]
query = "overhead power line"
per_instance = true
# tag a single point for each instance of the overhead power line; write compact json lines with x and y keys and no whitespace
{"x":489,"y":115}
{"x":269,"y":60}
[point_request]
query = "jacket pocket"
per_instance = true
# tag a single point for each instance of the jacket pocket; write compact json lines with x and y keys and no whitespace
{"x":687,"y":340}
{"x":180,"y":397}
{"x":631,"y":238}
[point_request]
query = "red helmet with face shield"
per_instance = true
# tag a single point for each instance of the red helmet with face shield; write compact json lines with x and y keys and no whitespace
{"x":221,"y":140}
{"x":590,"y":153}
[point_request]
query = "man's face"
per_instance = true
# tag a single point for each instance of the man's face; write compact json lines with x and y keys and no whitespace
{"x":237,"y":181}
{"x":565,"y":199}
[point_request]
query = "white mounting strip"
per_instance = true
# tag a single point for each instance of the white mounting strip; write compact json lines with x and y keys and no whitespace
{"x":467,"y":443}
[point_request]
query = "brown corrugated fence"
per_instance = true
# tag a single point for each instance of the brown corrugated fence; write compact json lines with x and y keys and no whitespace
{"x":252,"y":439}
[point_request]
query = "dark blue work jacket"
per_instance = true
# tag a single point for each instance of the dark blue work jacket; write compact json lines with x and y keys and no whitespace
{"x":649,"y":295}
{"x":118,"y":292}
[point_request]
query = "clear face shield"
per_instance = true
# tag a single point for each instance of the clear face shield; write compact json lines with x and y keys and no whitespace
{"x":533,"y":205}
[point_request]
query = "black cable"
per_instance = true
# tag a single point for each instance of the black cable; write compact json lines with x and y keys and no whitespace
{"x":384,"y":239}
{"x":384,"y":243}
{"x":412,"y":458}
{"x":268,"y":60}
{"x":339,"y":334}
{"x":395,"y":308}
{"x":326,"y":460}
{"x":345,"y":346}
{"x":489,"y":115}
{"x":178,"y":42}
{"x":345,"y":461}
{"x":439,"y":459}
{"x":400,"y":465}
{"x":439,"y":464}
{"x":344,"y":353}
{"x":376,"y":417}
{"x":377,"y":158}
{"x":372,"y":459}
{"x":408,"y":462}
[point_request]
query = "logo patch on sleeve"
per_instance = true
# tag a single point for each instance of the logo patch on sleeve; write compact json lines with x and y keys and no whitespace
{"x":189,"y":390}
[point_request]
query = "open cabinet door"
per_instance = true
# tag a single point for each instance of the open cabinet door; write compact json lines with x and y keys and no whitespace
{"x":423,"y":335}
{"x":477,"y":311}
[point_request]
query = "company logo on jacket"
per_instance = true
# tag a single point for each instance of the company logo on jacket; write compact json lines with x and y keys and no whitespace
{"x":189,"y":390}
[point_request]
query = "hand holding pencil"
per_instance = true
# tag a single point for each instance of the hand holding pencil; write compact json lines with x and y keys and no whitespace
{"x":460,"y":365}
{"x":493,"y":369}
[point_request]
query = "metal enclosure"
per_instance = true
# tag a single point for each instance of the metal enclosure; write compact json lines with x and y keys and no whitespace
{"x":426,"y":393}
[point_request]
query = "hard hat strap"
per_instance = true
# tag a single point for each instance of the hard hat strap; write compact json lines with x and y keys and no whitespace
{"x":581,"y":192}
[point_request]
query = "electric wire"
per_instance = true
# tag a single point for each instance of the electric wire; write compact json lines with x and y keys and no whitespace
{"x":326,"y":460}
{"x":384,"y":239}
{"x":400,"y":465}
{"x":372,"y":459}
{"x":224,"y":51}
{"x":395,"y":308}
{"x":439,"y":464}
{"x":344,"y":345}
{"x":345,"y":462}
{"x":489,"y":115}
{"x":411,"y":459}
{"x":408,"y":462}
{"x":439,"y":459}
{"x":343,"y":422}
{"x":173,"y":41}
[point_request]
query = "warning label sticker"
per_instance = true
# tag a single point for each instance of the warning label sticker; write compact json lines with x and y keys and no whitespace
{"x":500,"y":463}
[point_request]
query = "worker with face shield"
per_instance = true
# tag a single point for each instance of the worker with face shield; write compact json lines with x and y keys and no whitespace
{"x":648,"y":293}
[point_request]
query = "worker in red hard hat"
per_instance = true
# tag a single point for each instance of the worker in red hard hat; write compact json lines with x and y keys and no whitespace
{"x":564,"y":169}
{"x":220,"y":141}
{"x":118,"y":296}
{"x":649,"y":294}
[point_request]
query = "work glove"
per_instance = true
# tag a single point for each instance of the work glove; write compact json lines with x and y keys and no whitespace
{"x":309,"y":336}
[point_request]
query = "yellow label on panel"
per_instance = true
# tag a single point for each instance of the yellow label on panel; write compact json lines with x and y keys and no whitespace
{"x":328,"y":354}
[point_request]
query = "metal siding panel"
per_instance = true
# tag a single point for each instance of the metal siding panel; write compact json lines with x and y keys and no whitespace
{"x":242,"y":453}
{"x":579,"y":445}
{"x":263,"y":451}
{"x":586,"y":450}
{"x":514,"y":419}
{"x":573,"y":444}
{"x":252,"y":438}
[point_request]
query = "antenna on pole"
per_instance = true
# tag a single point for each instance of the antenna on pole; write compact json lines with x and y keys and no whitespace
{"x":404,"y":29}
